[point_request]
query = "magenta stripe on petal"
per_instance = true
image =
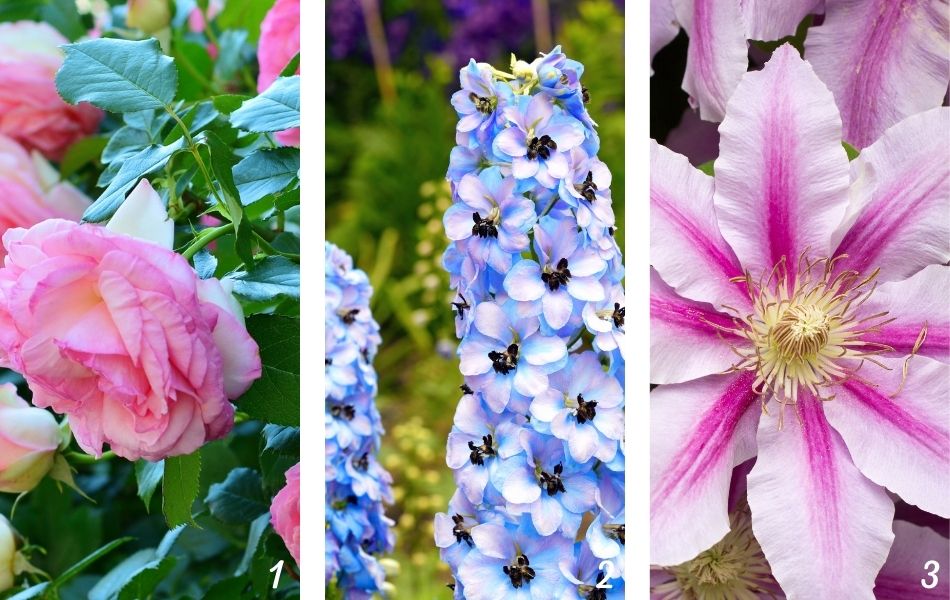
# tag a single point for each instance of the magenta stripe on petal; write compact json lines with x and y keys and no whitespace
{"x":824,"y":471}
{"x":902,"y":339}
{"x":687,"y":316}
{"x":778,"y":181}
{"x":727,"y":265}
{"x":925,"y":434}
{"x":891,"y":213}
{"x":708,"y":443}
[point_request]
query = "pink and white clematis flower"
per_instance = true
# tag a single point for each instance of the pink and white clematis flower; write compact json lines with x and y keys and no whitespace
{"x":883,"y":60}
{"x":799,"y":315}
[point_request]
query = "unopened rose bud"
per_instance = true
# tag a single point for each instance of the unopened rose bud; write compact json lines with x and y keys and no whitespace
{"x":29,"y":437}
{"x":7,"y":554}
{"x":148,"y":15}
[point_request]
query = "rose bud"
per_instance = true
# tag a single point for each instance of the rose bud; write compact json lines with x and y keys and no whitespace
{"x":148,"y":15}
{"x":29,"y":437}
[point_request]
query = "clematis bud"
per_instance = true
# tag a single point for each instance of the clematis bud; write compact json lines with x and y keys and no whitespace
{"x":7,"y":554}
{"x":29,"y":437}
{"x":148,"y":15}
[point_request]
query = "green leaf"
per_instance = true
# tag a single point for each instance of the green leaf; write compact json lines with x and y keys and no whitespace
{"x":708,"y":168}
{"x":86,"y":562}
{"x":245,"y":14}
{"x":138,"y":575}
{"x":180,"y":488}
{"x":32,"y":591}
{"x":125,"y":142}
{"x":274,"y":276}
{"x":147,"y":161}
{"x":205,"y":264}
{"x":239,"y":498}
{"x":227,"y":589}
{"x":851,"y":150}
{"x":196,"y":69}
{"x":228,"y":103}
{"x":82,"y":153}
{"x":275,"y":397}
{"x":281,"y":439}
{"x":221,"y":168}
{"x":266,"y":172}
{"x":231,"y":44}
{"x":292,"y":66}
{"x":255,"y":532}
{"x":117,"y":75}
{"x":64,"y":16}
{"x":147,"y":477}
{"x":275,"y":109}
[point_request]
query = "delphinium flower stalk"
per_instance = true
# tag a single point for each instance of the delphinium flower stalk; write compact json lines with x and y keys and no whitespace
{"x":537,"y":442}
{"x":357,"y":485}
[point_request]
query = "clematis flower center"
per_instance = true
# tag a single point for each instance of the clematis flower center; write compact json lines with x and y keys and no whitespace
{"x":587,"y":188}
{"x":520,"y":572}
{"x":541,"y":146}
{"x":488,"y":226}
{"x":482,"y":104}
{"x":461,"y":533}
{"x":478,"y":453}
{"x":553,"y":484}
{"x":805,"y":331}
{"x":556,"y":277}
{"x":504,"y":362}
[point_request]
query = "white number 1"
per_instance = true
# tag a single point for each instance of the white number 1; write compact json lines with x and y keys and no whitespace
{"x":277,"y":570}
{"x":608,"y":568}
{"x":932,"y":567}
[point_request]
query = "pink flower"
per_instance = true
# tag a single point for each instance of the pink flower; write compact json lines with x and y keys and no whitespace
{"x":196,"y":18}
{"x":119,"y":333}
{"x":285,"y":512}
{"x":29,"y":438}
{"x":279,"y":43}
{"x":31,"y":110}
{"x":799,"y":315}
{"x":8,"y":555}
{"x":30,"y":190}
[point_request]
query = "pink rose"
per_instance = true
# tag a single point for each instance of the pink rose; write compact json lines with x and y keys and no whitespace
{"x":29,"y":437}
{"x":120,"y":334}
{"x":196,"y":18}
{"x":30,"y":190}
{"x":279,"y":43}
{"x":31,"y":110}
{"x":285,"y":512}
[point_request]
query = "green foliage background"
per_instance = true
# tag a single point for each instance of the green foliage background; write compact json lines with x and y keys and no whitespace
{"x":385,"y":195}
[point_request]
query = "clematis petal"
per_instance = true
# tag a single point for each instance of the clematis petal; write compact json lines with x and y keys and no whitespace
{"x":897,"y":217}
{"x":663,"y":25}
{"x":717,"y":56}
{"x":782,"y":174}
{"x":914,"y":303}
{"x":682,"y":345}
{"x":699,"y":431}
{"x":900,"y":442}
{"x":883,"y":60}
{"x":904,"y":570}
{"x":774,"y":19}
{"x":687,"y":248}
{"x":824,"y":528}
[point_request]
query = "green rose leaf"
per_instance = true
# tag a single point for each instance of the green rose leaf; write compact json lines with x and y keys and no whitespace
{"x":275,"y":109}
{"x":274,"y":276}
{"x":266,"y":172}
{"x":239,"y":498}
{"x":147,"y":477}
{"x":117,"y":75}
{"x":275,"y":397}
{"x":180,"y":488}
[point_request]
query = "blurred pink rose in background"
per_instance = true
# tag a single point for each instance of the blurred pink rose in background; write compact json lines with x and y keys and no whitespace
{"x":196,"y":18}
{"x":120,"y":334}
{"x":279,"y":43}
{"x":31,"y":110}
{"x":29,"y":437}
{"x":285,"y":512}
{"x":30,"y":189}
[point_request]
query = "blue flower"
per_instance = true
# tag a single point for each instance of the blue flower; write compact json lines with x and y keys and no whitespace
{"x":480,"y":101}
{"x":502,"y":354}
{"x":588,"y":571}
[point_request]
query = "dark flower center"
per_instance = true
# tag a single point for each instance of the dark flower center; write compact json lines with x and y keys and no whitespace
{"x":558,"y":277}
{"x":467,"y":391}
{"x":585,"y":93}
{"x":619,"y":313}
{"x":345,"y":410}
{"x":327,"y":362}
{"x":482,"y":104}
{"x":361,"y":463}
{"x":541,"y":146}
{"x":552,"y":483}
{"x":460,"y":307}
{"x":586,"y":409}
{"x":478,"y":454}
{"x":520,"y":573}
{"x":588,"y":187}
{"x":461,"y":534}
{"x":504,"y":362}
{"x":484,"y":227}
{"x":617,"y":532}
{"x":342,"y":503}
{"x":350,"y":316}
{"x":592,"y":591}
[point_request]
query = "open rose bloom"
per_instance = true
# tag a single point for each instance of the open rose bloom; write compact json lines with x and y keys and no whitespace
{"x":799,"y":315}
{"x":119,"y":333}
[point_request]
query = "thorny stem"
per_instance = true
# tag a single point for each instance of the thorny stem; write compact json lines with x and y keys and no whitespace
{"x":206,"y":237}
{"x":194,"y":151}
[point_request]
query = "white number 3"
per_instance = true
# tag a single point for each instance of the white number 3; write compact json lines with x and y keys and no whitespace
{"x":932,"y":567}
{"x":277,"y":570}
{"x":608,"y":568}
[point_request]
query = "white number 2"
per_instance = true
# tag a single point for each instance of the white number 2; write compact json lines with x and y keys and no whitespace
{"x":608,"y":568}
{"x":277,"y":570}
{"x":932,"y":567}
